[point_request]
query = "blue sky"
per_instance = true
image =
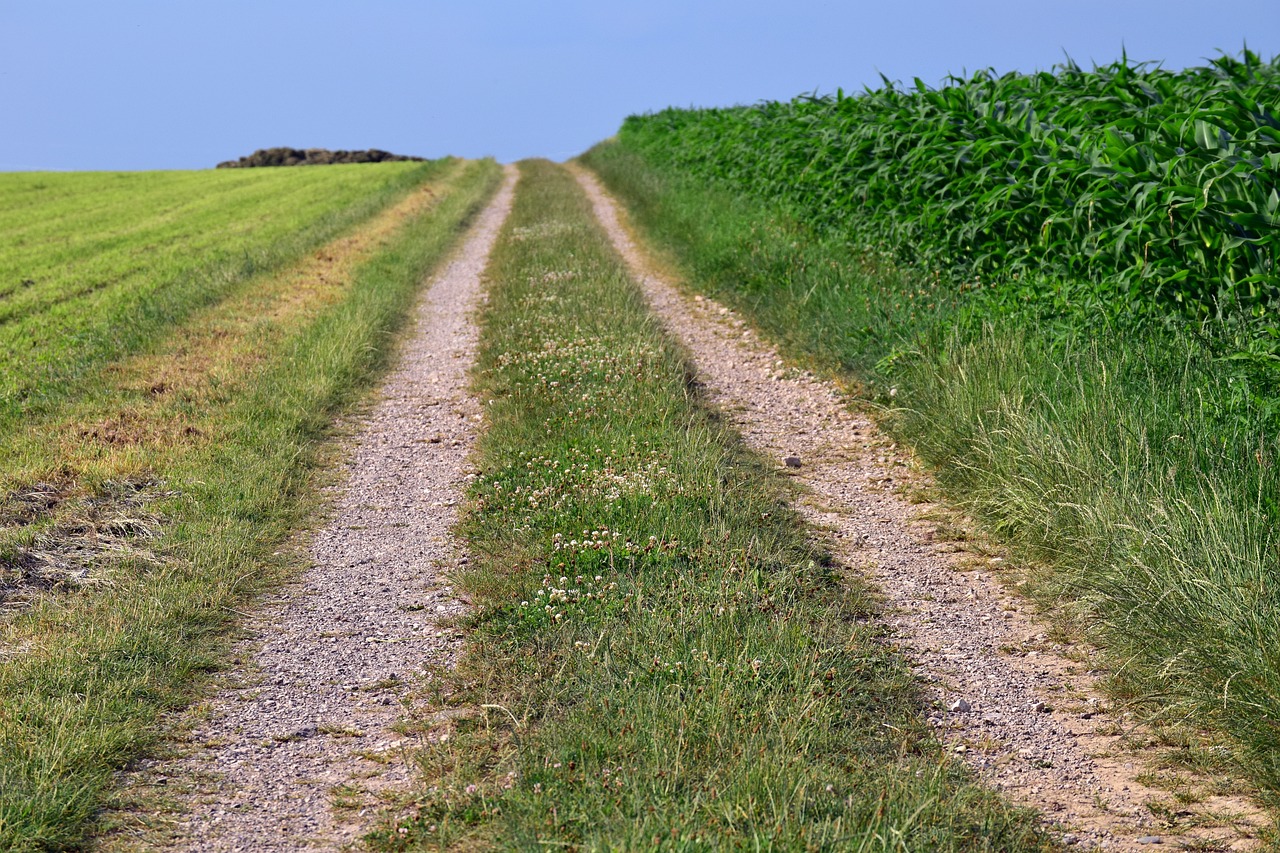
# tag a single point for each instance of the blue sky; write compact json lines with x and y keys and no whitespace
{"x":181,"y":84}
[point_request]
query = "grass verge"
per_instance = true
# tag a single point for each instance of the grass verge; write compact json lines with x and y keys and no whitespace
{"x":86,"y":670}
{"x":1133,"y":467}
{"x":660,"y":659}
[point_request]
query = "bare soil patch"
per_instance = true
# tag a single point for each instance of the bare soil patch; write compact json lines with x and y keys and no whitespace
{"x":1023,"y":711}
{"x":71,"y":531}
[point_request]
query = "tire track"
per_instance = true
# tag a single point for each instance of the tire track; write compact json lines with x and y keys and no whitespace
{"x":1007,"y":700}
{"x":295,"y":755}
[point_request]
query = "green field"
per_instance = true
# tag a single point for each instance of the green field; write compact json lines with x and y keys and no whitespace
{"x":1061,"y":287}
{"x":1059,"y":290}
{"x":191,"y":338}
{"x":95,"y":265}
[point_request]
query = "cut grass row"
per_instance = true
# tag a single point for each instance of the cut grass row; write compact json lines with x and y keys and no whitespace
{"x":197,"y":521}
{"x":95,"y":265}
{"x":664,"y":660}
{"x":1133,"y":471}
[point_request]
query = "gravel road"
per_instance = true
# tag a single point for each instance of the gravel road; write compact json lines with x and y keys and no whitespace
{"x":330,"y":658}
{"x":1012,"y":704}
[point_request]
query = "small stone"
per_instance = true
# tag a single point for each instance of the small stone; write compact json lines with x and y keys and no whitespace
{"x":1149,"y":839}
{"x":1069,"y":838}
{"x":792,"y":461}
{"x":1038,"y":707}
{"x":961,"y":706}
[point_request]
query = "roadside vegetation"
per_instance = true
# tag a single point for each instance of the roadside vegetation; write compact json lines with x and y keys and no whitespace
{"x":1061,"y":288}
{"x":191,"y":338}
{"x":660,"y":657}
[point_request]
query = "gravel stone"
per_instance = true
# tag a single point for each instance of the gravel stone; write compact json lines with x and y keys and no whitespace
{"x":964,"y":633}
{"x":338,"y":650}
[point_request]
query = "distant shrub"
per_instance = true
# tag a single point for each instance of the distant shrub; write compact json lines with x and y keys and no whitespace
{"x":312,"y":157}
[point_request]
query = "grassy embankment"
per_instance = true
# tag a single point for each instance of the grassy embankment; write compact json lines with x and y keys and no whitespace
{"x":193,"y":335}
{"x":1106,"y":402}
{"x":663,"y":659}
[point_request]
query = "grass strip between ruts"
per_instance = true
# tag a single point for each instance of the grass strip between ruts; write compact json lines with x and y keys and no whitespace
{"x":86,"y":673}
{"x":662,"y":658}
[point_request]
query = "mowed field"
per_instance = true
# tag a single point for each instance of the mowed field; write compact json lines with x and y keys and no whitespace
{"x":176,"y":344}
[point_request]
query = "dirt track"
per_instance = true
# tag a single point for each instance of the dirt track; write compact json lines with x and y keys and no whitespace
{"x":310,"y":725}
{"x":1010,"y":703}
{"x":296,"y":754}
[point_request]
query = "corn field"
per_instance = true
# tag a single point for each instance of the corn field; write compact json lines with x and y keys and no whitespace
{"x":1159,"y":185}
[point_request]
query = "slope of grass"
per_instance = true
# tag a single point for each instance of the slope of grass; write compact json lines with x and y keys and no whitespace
{"x":1133,"y":465}
{"x":174,"y":529}
{"x":662,"y":659}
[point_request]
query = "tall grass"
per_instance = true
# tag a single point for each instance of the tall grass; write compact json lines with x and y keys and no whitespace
{"x":1099,"y":461}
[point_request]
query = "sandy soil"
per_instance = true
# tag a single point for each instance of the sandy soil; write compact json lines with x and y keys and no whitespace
{"x":1023,"y":712}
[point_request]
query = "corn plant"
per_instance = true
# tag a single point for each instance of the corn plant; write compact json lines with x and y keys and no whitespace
{"x":1162,"y":186}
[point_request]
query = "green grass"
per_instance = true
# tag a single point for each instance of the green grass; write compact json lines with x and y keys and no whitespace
{"x":95,"y":265}
{"x":87,"y":669}
{"x":1132,"y":465}
{"x":661,"y":658}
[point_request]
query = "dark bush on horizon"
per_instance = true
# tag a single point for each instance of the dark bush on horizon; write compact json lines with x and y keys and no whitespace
{"x":312,"y":157}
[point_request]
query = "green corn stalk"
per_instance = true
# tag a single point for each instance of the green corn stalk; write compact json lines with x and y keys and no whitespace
{"x":1162,"y":187}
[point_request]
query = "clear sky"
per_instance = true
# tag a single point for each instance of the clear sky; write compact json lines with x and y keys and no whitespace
{"x":165,"y":84}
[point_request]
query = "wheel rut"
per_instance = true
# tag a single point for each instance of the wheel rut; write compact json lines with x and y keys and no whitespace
{"x":1022,"y":711}
{"x":295,"y":754}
